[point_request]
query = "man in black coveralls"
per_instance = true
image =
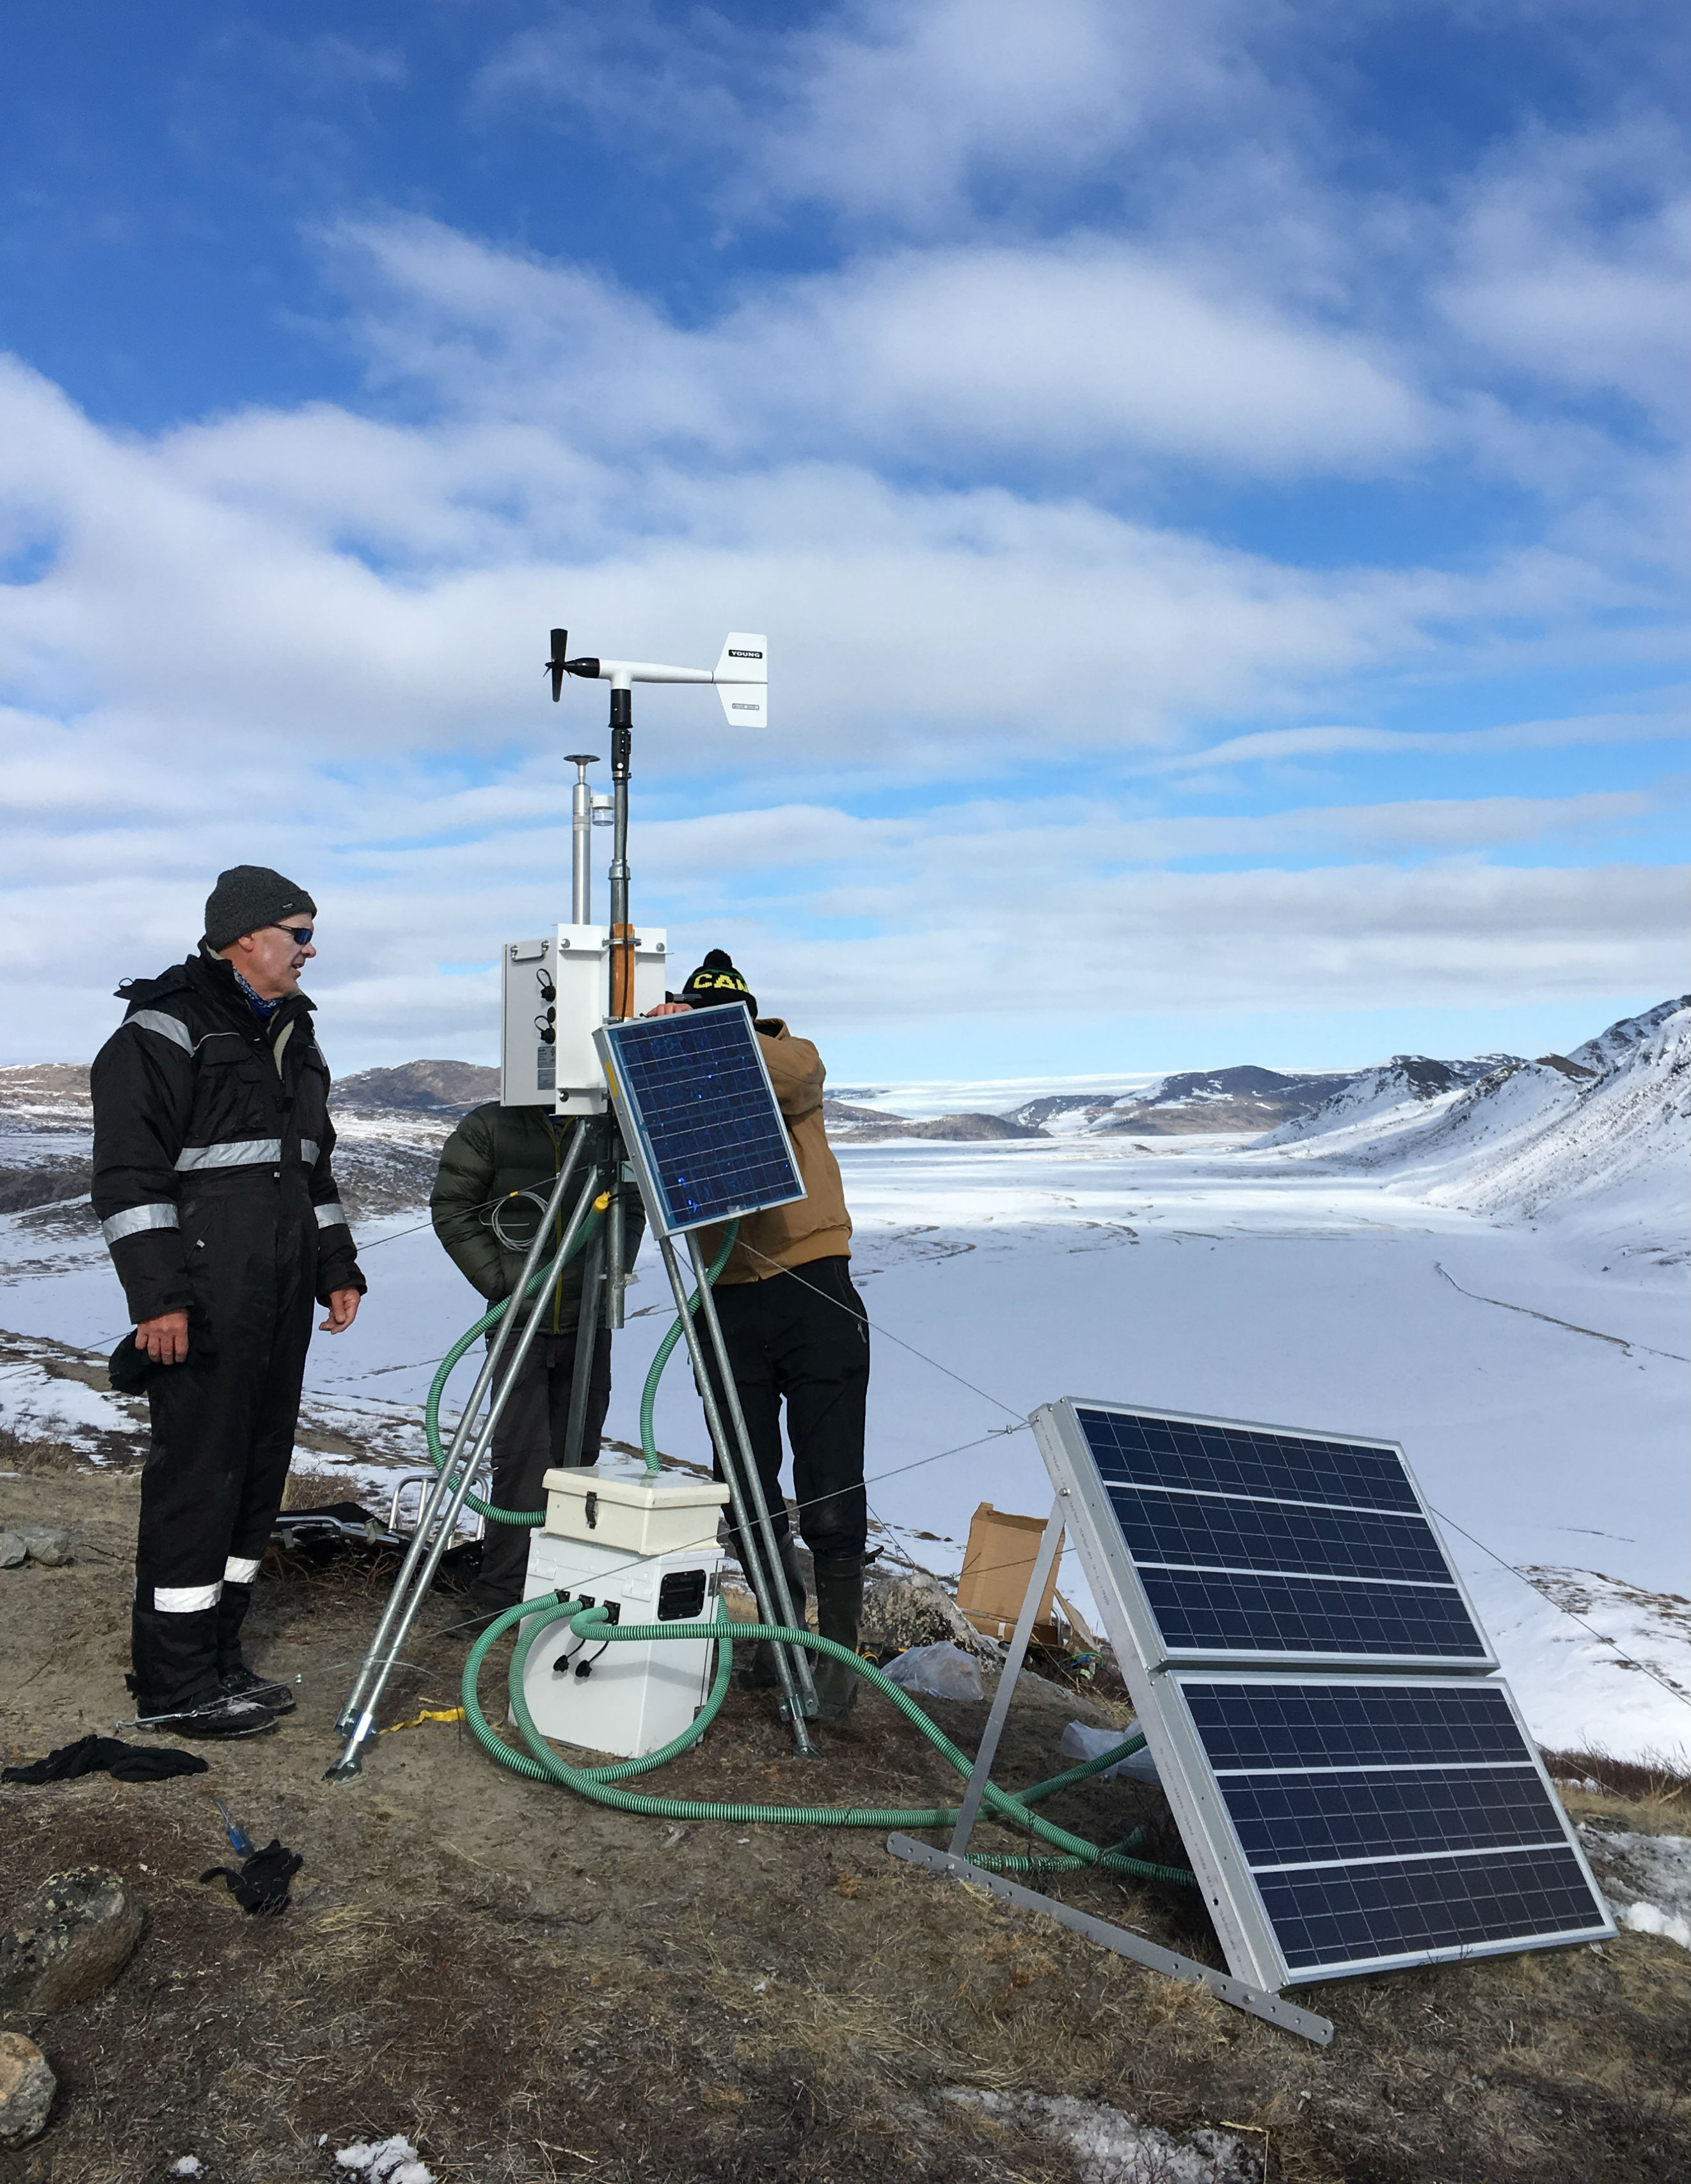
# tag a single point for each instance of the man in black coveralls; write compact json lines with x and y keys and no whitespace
{"x":213,"y":1185}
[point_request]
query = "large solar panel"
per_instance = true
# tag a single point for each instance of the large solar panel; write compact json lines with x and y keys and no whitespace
{"x":1368,"y":1823}
{"x":699,"y":1116}
{"x":1338,"y":1822}
{"x":1249,"y":1543}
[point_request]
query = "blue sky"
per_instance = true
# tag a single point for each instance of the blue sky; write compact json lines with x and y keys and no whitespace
{"x":1213,"y":479}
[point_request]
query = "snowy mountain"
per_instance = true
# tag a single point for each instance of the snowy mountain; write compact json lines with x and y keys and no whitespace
{"x":1407,"y":1081}
{"x":1195,"y":1102}
{"x":1596,"y":1139}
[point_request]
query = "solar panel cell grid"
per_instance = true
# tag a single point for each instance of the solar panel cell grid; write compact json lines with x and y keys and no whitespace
{"x":1272,"y":1724}
{"x":712,"y":1135}
{"x":1243,"y":1460}
{"x":1206,"y":1531}
{"x":1289,"y":1820}
{"x":1221,"y":1612}
{"x":1347,"y":1915}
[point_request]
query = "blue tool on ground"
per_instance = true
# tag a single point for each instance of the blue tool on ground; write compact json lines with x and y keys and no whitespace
{"x":239,"y":1841}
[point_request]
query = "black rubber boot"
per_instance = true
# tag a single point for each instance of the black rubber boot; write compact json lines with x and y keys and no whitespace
{"x":763,"y":1675}
{"x":838,"y":1616}
{"x":237,"y":1681}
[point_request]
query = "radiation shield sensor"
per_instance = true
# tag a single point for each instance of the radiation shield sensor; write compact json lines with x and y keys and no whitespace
{"x":1339,"y":1820}
{"x":700,"y":1118}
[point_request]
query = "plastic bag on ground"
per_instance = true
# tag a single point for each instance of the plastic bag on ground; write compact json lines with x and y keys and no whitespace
{"x":943,"y":1671}
{"x":1081,"y":1741}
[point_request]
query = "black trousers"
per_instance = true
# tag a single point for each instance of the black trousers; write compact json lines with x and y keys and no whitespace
{"x":528,"y":1442}
{"x":802,"y":1338}
{"x":222,"y":1428}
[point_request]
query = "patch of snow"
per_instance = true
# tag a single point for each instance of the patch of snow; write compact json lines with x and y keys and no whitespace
{"x":1110,"y":2146}
{"x":189,"y":2165}
{"x":386,"y":2161}
{"x":1647,"y":1879}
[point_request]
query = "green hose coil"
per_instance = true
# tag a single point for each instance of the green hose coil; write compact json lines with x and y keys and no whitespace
{"x":601,"y":1784}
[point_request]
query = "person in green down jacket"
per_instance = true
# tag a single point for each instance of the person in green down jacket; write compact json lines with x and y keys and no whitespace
{"x":493,"y":1153}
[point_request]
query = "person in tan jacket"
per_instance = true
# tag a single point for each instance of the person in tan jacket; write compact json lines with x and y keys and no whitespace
{"x":796,"y":1333}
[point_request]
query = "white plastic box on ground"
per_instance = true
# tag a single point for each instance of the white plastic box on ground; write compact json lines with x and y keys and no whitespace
{"x":625,"y":1698}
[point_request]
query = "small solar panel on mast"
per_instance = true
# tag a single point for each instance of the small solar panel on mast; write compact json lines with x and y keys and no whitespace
{"x":700,"y":1118}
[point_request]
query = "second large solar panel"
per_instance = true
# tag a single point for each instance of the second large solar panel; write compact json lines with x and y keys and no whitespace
{"x":1255,"y":1544}
{"x":1377,"y":1821}
{"x":700,"y":1116}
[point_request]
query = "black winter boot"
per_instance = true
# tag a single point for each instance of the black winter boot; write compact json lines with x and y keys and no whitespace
{"x":763,"y":1675}
{"x":237,"y":1678}
{"x":838,"y":1616}
{"x":176,"y":1687}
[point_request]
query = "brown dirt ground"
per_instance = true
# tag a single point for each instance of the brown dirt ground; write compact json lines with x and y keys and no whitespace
{"x":533,"y":1988}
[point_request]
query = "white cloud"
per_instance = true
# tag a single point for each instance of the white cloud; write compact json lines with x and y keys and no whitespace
{"x":1086,"y":348}
{"x":1572,"y":262}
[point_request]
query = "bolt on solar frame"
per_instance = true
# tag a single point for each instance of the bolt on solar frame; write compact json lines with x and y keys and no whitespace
{"x":700,"y":1118}
{"x":1265,"y":1591}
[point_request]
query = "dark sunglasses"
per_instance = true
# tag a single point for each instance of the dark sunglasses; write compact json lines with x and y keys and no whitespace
{"x":300,"y":935}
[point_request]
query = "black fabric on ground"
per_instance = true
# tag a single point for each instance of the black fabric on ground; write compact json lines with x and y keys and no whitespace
{"x":107,"y":1755}
{"x":803,"y":1337}
{"x":528,"y":1442}
{"x":261,"y":1885}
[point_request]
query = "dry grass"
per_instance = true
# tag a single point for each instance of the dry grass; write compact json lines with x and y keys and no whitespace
{"x":1659,"y":1783}
{"x":32,"y":1455}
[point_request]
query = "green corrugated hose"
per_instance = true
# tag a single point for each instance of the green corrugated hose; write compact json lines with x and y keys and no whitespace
{"x":599,"y":1784}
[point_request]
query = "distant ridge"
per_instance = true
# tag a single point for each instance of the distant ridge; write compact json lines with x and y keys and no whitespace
{"x":417,"y":1088}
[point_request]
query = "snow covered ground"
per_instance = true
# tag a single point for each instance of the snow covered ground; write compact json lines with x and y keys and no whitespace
{"x":1530,"y":1352}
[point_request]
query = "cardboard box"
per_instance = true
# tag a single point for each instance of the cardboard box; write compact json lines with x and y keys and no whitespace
{"x":998,"y":1567}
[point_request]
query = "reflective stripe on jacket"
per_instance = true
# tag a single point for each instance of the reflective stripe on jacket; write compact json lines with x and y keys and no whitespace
{"x":191,"y":1084}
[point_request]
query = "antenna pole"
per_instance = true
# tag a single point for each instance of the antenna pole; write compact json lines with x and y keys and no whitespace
{"x":622,"y":932}
{"x":581,"y":840}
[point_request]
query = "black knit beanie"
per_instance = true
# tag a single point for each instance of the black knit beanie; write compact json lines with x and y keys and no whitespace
{"x":247,"y":897}
{"x":715,"y":982}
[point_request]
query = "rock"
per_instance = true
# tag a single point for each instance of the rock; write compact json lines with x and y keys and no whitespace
{"x":13,"y":1553}
{"x":75,"y":1934}
{"x":46,"y":1543}
{"x":27,"y":2087}
{"x":907,"y":1608}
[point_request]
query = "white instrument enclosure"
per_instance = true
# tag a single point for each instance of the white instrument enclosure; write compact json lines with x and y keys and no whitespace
{"x":563,"y":1074}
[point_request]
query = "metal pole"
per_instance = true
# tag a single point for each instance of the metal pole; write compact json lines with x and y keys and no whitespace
{"x":1050,"y":1541}
{"x":431,"y":1501}
{"x":616,"y":1238}
{"x":581,"y":840}
{"x":435,"y":1525}
{"x":781,"y":1592}
{"x":762,"y":1591}
{"x":622,"y":932}
{"x":349,"y":1763}
{"x":587,"y":1343}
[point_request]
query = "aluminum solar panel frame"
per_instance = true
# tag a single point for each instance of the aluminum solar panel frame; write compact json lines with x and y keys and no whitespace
{"x":1238,"y":1543}
{"x":699,"y":1118}
{"x":1321,"y":1859}
{"x":1342,"y":1847}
